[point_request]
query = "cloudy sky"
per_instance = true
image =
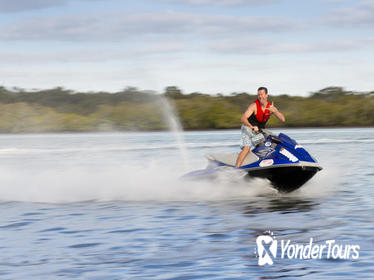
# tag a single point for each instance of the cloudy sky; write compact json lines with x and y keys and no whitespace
{"x":210,"y":46}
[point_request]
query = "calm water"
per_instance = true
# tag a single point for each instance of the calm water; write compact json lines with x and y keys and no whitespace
{"x":111,"y":206}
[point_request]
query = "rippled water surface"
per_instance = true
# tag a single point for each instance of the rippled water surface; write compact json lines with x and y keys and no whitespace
{"x":112,"y":206}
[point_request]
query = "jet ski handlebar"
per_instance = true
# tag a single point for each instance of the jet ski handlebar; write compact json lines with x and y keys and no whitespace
{"x":273,"y":137}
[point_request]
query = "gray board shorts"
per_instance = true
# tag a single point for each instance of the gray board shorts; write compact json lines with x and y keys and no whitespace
{"x":249,"y":137}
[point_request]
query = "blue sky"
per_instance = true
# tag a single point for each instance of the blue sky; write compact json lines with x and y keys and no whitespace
{"x":210,"y":46}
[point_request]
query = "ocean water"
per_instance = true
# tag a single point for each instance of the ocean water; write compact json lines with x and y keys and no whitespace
{"x":113,"y":206}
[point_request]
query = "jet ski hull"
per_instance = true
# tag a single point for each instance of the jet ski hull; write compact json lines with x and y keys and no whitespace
{"x":286,"y":179}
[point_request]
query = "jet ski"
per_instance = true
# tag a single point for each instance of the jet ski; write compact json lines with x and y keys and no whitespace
{"x":279,"y":159}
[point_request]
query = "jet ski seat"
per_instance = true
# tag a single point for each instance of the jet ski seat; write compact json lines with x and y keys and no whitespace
{"x":230,"y":159}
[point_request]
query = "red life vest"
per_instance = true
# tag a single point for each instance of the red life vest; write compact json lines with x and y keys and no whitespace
{"x":261,"y":116}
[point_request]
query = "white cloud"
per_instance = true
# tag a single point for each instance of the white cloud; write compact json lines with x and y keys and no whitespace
{"x":223,"y":2}
{"x":87,"y":55}
{"x":23,"y":5}
{"x":119,"y":27}
{"x":264,"y":46}
{"x":361,"y":14}
{"x":12,"y":6}
{"x":335,"y":1}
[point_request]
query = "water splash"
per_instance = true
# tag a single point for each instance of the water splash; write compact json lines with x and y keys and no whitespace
{"x":153,"y":182}
{"x":175,"y":127}
{"x":324,"y":184}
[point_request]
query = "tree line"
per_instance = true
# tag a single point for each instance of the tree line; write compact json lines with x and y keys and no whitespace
{"x":62,"y":110}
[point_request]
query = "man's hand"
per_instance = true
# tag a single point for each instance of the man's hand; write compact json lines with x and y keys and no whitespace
{"x":255,"y":129}
{"x":272,"y":108}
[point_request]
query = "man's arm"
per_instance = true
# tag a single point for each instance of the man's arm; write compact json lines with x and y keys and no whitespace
{"x":247,"y":114}
{"x":275,"y":111}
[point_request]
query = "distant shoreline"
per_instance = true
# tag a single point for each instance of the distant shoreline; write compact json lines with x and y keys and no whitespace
{"x":61,"y":111}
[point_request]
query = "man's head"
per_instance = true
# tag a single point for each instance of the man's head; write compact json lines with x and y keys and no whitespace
{"x":262,"y":95}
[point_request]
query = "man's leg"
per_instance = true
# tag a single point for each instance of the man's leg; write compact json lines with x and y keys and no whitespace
{"x":242,"y":156}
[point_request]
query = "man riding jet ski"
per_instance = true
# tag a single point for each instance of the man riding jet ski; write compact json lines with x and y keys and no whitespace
{"x":286,"y":164}
{"x":280,"y":159}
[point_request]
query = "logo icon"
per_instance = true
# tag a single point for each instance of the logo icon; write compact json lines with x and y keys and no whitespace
{"x":266,"y":248}
{"x":266,"y":162}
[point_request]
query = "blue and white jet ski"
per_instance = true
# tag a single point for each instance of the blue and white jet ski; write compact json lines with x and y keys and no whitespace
{"x":280,"y":159}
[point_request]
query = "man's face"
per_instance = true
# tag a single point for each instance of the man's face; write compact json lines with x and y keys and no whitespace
{"x":262,"y":96}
